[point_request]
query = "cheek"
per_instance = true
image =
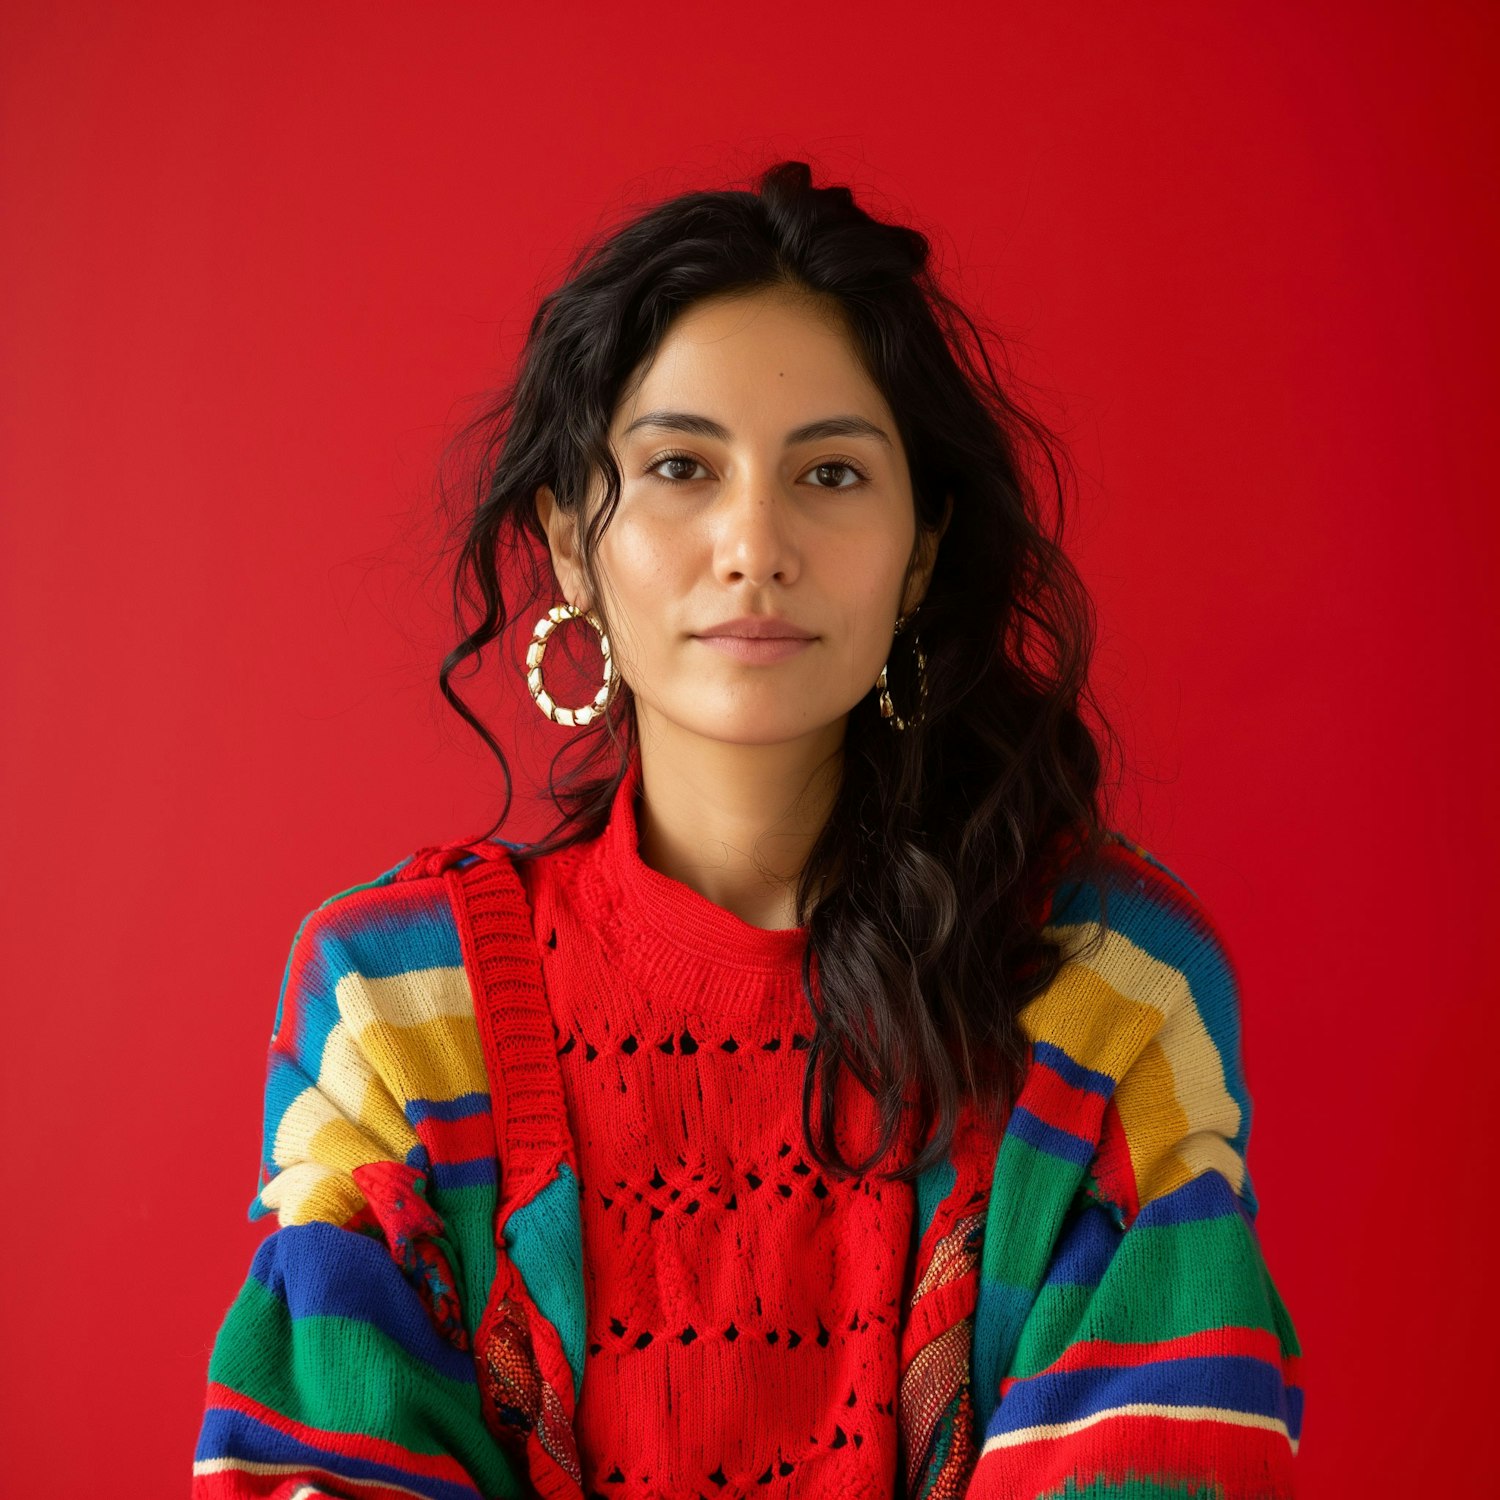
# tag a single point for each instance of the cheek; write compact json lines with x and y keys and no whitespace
{"x":862,"y":575}
{"x":644,"y":566}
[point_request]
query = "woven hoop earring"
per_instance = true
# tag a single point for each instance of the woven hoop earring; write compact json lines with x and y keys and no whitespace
{"x":887,"y":708}
{"x":538,"y":649}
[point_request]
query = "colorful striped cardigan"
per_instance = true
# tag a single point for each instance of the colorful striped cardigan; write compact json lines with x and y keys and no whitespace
{"x":1090,"y":1312}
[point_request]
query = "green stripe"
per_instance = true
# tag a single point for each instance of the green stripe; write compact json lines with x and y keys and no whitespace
{"x":544,"y":1238}
{"x":1162,"y":1283}
{"x":468,"y":1215}
{"x":1130,"y":1489}
{"x":1029,"y":1198}
{"x":344,"y":1376}
{"x":1284,"y":1326}
{"x":1052,"y":1326}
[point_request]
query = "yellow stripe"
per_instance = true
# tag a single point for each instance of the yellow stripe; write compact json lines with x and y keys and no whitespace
{"x":1096,"y":1022}
{"x":1129,"y":969}
{"x":309,"y":1192}
{"x":1119,"y":1010}
{"x":365,"y":1091}
{"x":1175,"y":1105}
{"x":439,"y":1059}
{"x":1154,"y":1121}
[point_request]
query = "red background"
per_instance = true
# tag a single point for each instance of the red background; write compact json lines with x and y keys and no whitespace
{"x":254,"y":259}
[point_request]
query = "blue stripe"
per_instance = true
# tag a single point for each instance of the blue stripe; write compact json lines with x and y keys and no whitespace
{"x":1036,"y":1132}
{"x":285,"y":1079}
{"x":233,"y":1434}
{"x":320,"y":1270}
{"x":1236,"y":1382}
{"x":386,"y":877}
{"x":412,"y":928}
{"x":1084,"y":1252}
{"x":418,"y":1110}
{"x":1207,"y":1196}
{"x":461,"y":1174}
{"x":1071,"y":1072}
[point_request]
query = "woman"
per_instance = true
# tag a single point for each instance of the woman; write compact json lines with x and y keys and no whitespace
{"x":833,"y":1103}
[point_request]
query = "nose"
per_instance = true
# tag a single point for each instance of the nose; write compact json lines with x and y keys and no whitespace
{"x":755,"y":535}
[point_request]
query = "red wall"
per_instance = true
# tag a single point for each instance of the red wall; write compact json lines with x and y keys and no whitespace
{"x":252,"y":256}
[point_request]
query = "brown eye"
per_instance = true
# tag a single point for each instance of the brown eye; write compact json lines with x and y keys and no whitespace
{"x":678,"y":466}
{"x":836,"y":476}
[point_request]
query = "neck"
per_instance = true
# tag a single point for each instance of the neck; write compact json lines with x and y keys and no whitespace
{"x":736,"y":822}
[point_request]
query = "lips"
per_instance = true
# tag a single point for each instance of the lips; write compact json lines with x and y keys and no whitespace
{"x":749,"y":648}
{"x":757,"y":628}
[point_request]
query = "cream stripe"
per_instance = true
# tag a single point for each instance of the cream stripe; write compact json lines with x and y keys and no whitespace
{"x":309,"y":1192}
{"x":300,"y":1122}
{"x":1055,"y":1430}
{"x":1210,"y":1152}
{"x":349,"y":1093}
{"x":291,"y":1187}
{"x":250,"y":1466}
{"x":407,"y":999}
{"x":1126,"y":967}
{"x":345,"y":1072}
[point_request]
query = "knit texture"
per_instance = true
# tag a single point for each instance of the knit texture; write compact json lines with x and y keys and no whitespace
{"x":1083,"y":1305}
{"x":744,"y":1306}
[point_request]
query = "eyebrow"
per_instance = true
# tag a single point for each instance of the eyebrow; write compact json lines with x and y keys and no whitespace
{"x":809,"y":432}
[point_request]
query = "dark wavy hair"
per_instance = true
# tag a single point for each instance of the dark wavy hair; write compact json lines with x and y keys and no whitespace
{"x":945,"y":840}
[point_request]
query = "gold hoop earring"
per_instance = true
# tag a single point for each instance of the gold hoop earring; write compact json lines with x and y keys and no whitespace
{"x":887,"y":708}
{"x":538,"y":649}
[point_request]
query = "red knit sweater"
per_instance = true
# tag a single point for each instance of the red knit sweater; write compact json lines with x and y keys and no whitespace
{"x":743,"y":1307}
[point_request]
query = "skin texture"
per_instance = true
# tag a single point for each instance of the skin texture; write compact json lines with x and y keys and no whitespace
{"x":740,"y":761}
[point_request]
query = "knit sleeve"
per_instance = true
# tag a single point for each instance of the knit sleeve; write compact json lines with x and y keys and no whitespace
{"x":1141,"y":1345}
{"x":344,"y":1364}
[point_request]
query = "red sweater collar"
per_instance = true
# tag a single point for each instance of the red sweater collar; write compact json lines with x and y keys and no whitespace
{"x":674,"y":912}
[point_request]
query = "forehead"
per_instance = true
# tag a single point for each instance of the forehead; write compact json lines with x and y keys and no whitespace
{"x":766,"y":356}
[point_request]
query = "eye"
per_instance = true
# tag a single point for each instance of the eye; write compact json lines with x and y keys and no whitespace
{"x":831,"y":474}
{"x":840,"y":469}
{"x":675,"y":462}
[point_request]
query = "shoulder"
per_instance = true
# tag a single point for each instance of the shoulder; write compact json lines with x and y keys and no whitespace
{"x":393,"y":923}
{"x":1148,"y":1002}
{"x":385,"y":951}
{"x":1139,"y":939}
{"x":375,"y":1036}
{"x":1132,"y":893}
{"x":375,"y":978}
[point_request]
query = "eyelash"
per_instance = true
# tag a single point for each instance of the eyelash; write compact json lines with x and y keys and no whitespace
{"x":826,"y":463}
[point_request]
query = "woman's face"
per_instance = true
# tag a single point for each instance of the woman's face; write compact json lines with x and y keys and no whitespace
{"x":762,"y":474}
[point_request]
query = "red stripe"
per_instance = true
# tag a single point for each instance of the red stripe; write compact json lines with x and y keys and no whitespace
{"x":452,"y":1141}
{"x":241,"y":1484}
{"x":339,"y":1444}
{"x":1053,"y":1100}
{"x":1093,"y":1354}
{"x":1113,"y":1169}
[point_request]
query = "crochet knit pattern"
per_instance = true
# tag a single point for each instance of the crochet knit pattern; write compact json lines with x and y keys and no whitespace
{"x":546,"y":1224}
{"x":744,"y":1308}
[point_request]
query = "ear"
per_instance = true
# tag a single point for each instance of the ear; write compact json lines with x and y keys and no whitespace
{"x":928,"y":538}
{"x":561,"y":528}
